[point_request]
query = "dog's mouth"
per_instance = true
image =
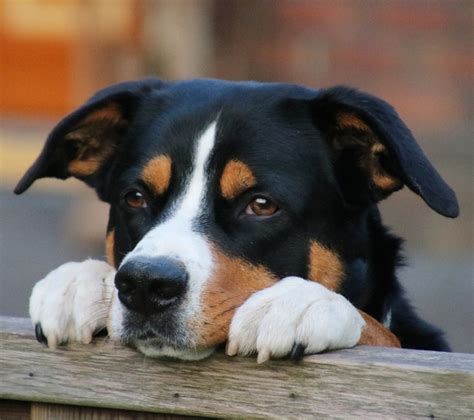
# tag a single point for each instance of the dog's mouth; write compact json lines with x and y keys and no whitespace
{"x":155,"y":347}
{"x":168,"y":343}
{"x":161,"y":336}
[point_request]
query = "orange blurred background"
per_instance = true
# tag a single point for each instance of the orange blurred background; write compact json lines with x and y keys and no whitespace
{"x":416,"y":54}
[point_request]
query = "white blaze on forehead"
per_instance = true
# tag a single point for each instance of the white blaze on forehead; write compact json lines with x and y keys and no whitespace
{"x":175,"y":236}
{"x":191,"y":199}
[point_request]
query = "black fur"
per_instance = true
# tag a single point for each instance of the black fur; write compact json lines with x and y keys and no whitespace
{"x":317,"y":169}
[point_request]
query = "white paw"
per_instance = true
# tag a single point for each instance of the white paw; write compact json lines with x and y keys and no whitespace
{"x":293,"y":317}
{"x":72,"y":302}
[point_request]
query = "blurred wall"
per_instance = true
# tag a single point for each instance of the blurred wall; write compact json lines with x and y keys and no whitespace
{"x":416,"y":54}
{"x":54,"y":53}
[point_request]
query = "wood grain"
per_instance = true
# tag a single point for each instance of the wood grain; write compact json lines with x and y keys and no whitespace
{"x":14,"y":410}
{"x":62,"y":412}
{"x":368,"y":382}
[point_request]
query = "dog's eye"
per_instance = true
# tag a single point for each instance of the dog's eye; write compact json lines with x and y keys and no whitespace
{"x":261,"y":206}
{"x":135,"y":200}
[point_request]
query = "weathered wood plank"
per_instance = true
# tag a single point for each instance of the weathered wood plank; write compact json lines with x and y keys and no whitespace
{"x":399,"y":359}
{"x":14,"y":410}
{"x":60,"y":412}
{"x":362,"y":382}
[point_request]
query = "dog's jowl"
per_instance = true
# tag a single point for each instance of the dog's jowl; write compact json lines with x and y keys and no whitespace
{"x":240,"y":212}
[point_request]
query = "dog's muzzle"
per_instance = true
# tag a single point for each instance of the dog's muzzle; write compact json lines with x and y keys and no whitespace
{"x":148,"y":286}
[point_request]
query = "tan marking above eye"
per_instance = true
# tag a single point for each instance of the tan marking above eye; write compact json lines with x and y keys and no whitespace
{"x":325,"y":266}
{"x":157,"y":173}
{"x":236,"y":178}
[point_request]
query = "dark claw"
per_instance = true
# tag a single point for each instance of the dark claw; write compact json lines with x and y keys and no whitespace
{"x":297,"y":352}
{"x":101,"y":332}
{"x":39,"y":334}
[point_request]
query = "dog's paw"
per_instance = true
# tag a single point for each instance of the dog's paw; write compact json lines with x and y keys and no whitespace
{"x":292,"y":318}
{"x":72,"y":302}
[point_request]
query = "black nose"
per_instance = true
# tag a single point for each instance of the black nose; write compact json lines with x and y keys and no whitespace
{"x":149,"y":285}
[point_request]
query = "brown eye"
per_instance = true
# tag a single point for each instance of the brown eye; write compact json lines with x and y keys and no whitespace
{"x":135,"y":200}
{"x":261,"y":206}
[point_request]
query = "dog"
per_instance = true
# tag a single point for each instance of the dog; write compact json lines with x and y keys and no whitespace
{"x":240,"y":212}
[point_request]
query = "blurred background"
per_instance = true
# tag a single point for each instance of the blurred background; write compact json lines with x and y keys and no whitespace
{"x":416,"y":54}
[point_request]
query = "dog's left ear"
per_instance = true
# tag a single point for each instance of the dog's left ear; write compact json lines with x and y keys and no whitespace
{"x":374,"y":152}
{"x":83,"y":143}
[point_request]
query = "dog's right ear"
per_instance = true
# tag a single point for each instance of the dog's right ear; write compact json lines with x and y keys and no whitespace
{"x":84,"y":141}
{"x":374,"y":153}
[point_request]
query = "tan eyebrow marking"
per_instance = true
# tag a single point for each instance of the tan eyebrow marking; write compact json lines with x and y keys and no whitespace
{"x":236,"y":178}
{"x":157,"y":173}
{"x":325,"y":266}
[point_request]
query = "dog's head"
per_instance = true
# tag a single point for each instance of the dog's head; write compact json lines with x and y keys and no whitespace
{"x":219,"y":189}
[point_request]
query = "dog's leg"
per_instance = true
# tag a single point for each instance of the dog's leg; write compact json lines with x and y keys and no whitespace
{"x":72,"y":302}
{"x":375,"y":334}
{"x":296,"y":317}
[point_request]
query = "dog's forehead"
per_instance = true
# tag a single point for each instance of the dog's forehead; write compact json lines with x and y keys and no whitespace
{"x":186,"y":107}
{"x":250,"y":128}
{"x":249,"y":122}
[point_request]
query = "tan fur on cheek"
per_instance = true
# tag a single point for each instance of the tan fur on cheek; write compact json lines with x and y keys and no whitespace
{"x":236,"y":178}
{"x":375,"y":334}
{"x":109,"y":247}
{"x":325,"y":266}
{"x":232,"y":283}
{"x":157,"y":173}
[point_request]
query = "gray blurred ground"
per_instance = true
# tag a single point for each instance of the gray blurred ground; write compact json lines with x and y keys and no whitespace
{"x":36,"y":235}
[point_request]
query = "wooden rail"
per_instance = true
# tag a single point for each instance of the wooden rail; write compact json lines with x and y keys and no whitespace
{"x":94,"y":381}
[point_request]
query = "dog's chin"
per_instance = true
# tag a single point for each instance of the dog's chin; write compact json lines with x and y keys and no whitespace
{"x":161,"y":337}
{"x":155,"y":348}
